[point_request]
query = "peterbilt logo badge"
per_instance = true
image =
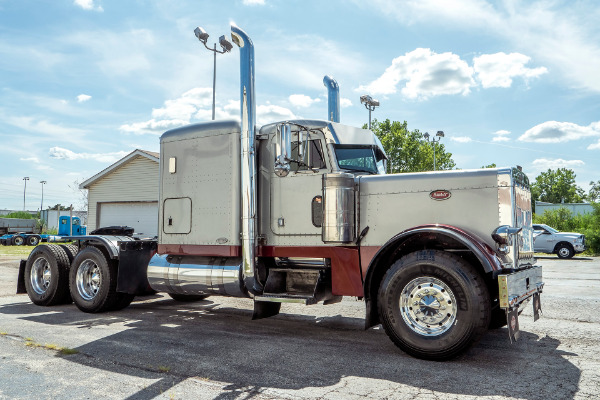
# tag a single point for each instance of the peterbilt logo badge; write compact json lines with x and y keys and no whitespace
{"x":440,"y":194}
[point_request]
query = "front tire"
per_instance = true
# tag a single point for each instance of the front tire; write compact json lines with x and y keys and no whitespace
{"x":565,"y":251}
{"x":433,"y":305}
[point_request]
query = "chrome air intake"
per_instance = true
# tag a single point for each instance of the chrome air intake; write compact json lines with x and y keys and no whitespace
{"x":248,"y":160}
{"x":193,"y":275}
{"x":333,"y":99}
{"x":338,"y":208}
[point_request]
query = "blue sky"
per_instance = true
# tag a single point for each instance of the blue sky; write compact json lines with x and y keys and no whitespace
{"x":85,"y":82}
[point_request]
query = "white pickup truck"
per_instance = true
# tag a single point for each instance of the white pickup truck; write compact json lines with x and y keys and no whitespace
{"x":564,"y":244}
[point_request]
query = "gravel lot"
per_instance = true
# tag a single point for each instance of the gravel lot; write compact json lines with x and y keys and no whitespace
{"x":157,"y":348}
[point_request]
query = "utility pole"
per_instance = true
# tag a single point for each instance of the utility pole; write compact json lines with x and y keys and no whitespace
{"x":25,"y":191}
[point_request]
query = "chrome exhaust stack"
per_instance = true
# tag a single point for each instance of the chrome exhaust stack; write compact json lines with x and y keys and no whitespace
{"x":333,"y":99}
{"x":248,"y":160}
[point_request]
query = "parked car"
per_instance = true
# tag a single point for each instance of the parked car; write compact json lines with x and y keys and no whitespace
{"x":564,"y":244}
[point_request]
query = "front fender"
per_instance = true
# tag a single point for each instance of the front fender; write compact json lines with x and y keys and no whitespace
{"x":433,"y":236}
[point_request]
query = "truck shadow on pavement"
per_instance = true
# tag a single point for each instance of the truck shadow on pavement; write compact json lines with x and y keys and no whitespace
{"x":314,"y":355}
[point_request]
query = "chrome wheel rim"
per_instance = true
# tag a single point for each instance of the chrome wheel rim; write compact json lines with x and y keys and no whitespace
{"x":563,"y":252}
{"x":19,"y":240}
{"x":40,"y":276}
{"x":428,"y":306}
{"x":88,"y":280}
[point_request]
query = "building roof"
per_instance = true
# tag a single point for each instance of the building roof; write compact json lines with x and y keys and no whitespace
{"x":136,"y":153}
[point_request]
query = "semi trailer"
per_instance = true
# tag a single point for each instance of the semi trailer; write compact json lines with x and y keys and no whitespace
{"x":303,"y":212}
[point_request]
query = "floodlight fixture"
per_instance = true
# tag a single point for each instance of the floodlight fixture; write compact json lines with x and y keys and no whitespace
{"x":225,"y":44}
{"x":201,"y":34}
{"x":433,"y":141}
{"x":370,"y":104}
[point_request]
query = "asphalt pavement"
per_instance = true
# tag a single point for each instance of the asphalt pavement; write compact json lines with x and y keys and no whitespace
{"x":158,"y":348}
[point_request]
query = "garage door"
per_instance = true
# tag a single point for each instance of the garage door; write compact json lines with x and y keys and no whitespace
{"x":143,"y":217}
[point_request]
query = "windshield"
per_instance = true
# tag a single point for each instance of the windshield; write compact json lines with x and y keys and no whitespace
{"x":356,"y":158}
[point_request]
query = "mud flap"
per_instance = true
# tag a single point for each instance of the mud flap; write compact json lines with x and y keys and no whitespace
{"x":512,"y":321}
{"x":537,"y":307}
{"x":265,"y":309}
{"x":21,"y":279}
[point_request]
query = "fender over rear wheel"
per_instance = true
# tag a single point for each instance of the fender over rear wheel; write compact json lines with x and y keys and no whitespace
{"x":433,"y":305}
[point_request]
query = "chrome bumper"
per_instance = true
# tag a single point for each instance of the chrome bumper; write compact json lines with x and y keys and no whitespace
{"x":515,"y":288}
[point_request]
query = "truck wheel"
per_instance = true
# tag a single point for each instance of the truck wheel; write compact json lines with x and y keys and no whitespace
{"x":187,"y":298}
{"x":564,"y":250}
{"x":47,"y":276}
{"x":433,"y":305}
{"x":33,"y":240}
{"x":71,"y":251}
{"x":93,"y":281}
{"x":18,"y":240}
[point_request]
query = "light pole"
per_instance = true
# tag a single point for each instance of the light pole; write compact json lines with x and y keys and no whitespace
{"x":42,"y":204}
{"x":370,"y":104}
{"x":225,"y":45}
{"x":25,"y":191}
{"x":439,"y":135}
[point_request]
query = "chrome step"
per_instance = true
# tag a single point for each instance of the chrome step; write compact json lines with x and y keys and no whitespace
{"x":287,"y":298}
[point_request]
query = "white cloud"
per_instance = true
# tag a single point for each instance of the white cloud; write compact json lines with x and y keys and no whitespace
{"x":253,"y":2}
{"x":542,"y":164}
{"x":40,"y":126}
{"x":501,"y":136}
{"x":88,"y":5}
{"x":195,"y":105}
{"x":594,"y":146}
{"x":499,"y":69}
{"x":426,"y":74}
{"x":461,"y":139}
{"x":271,"y":113}
{"x":65,"y":154}
{"x":303,"y":101}
{"x":345,"y":102}
{"x":560,"y":132}
{"x":83,"y":98}
{"x":562,"y":35}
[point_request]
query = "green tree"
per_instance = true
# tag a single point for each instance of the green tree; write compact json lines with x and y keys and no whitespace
{"x":56,"y":206}
{"x":492,"y":165}
{"x":407,"y":151}
{"x":594,"y":192}
{"x":557,"y":186}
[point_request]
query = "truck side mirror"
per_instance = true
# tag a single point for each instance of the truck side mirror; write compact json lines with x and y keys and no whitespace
{"x":283,"y":150}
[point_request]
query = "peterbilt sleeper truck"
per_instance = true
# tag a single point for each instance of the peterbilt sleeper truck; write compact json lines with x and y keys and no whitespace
{"x":303,"y":212}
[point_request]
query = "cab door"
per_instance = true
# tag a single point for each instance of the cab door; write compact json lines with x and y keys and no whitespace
{"x":296,"y":198}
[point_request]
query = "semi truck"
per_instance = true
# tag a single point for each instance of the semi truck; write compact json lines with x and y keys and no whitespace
{"x":28,"y":233}
{"x":303,"y":211}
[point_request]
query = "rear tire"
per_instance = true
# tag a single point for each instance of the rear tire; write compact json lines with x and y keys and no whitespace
{"x":187,"y":298}
{"x":433,"y":305}
{"x":93,"y":281}
{"x":18,"y":240}
{"x":565,"y":251}
{"x":47,"y":276}
{"x":33,"y":240}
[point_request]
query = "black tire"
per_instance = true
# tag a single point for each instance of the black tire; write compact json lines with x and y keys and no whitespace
{"x":187,"y":298}
{"x":47,"y":276}
{"x":93,"y":281}
{"x":564,"y":251}
{"x":33,"y":240}
{"x":18,"y":240}
{"x":71,"y":251}
{"x":452,"y":311}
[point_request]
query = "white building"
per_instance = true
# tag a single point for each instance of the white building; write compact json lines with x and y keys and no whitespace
{"x":125,"y":194}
